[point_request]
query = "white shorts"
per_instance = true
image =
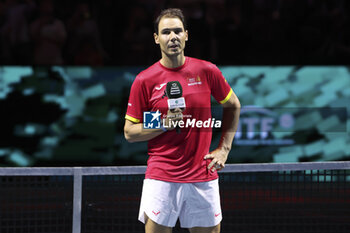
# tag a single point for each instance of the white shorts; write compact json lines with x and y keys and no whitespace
{"x":195,"y":204}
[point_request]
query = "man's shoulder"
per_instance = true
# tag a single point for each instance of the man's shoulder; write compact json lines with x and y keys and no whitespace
{"x":149,"y":72}
{"x":201,"y":63}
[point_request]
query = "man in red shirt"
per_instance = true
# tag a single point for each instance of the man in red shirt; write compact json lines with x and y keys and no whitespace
{"x":181,"y":180}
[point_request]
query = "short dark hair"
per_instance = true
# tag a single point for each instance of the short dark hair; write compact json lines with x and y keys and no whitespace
{"x":170,"y":13}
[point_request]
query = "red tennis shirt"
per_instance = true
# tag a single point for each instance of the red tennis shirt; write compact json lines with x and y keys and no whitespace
{"x":179,"y":157}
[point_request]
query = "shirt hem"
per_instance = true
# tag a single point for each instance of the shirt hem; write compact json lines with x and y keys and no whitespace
{"x":227,"y":97}
{"x":132,"y":119}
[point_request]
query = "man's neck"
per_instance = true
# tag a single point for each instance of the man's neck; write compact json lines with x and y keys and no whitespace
{"x":173,"y":62}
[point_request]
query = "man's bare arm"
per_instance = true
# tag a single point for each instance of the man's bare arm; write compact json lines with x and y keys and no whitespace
{"x":230,"y":120}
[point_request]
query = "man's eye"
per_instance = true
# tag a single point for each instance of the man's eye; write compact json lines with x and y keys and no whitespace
{"x":166,"y":32}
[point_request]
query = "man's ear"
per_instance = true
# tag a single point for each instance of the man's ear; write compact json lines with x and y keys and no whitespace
{"x":186,"y":35}
{"x":156,"y":38}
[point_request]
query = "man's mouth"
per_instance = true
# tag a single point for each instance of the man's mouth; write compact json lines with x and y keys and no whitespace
{"x":174,"y":46}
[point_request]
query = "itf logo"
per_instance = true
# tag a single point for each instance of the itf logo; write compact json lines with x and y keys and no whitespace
{"x":151,"y":120}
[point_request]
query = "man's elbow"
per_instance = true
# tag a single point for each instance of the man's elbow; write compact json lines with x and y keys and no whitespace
{"x":237,"y":104}
{"x":128,"y":136}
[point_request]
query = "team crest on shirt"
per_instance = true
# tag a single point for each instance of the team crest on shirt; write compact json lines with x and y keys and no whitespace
{"x":194,"y":81}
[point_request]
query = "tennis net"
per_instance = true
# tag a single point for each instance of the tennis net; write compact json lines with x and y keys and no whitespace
{"x":256,"y":198}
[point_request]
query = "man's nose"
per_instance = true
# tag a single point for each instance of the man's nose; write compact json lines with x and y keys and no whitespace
{"x":173,"y":36}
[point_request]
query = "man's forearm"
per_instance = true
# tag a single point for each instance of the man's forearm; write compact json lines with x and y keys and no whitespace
{"x":136,"y":133}
{"x":229,"y":127}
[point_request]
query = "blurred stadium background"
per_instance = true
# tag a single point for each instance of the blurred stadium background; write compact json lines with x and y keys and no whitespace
{"x":74,"y":116}
{"x":226,"y":32}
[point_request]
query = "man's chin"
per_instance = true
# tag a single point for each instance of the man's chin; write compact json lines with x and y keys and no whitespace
{"x":174,"y":53}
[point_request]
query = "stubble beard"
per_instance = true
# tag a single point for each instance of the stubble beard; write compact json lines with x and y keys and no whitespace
{"x":171,"y":54}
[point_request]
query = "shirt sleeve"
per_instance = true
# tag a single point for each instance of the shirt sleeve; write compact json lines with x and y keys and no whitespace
{"x":220,"y":89}
{"x":137,"y":102}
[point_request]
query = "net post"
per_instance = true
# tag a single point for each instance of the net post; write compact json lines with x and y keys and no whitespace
{"x":77,"y":194}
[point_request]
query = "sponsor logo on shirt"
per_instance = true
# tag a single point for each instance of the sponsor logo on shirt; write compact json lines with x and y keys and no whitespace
{"x":194,"y":81}
{"x":160,"y":86}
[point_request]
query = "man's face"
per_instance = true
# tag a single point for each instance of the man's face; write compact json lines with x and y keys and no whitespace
{"x":171,"y":36}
